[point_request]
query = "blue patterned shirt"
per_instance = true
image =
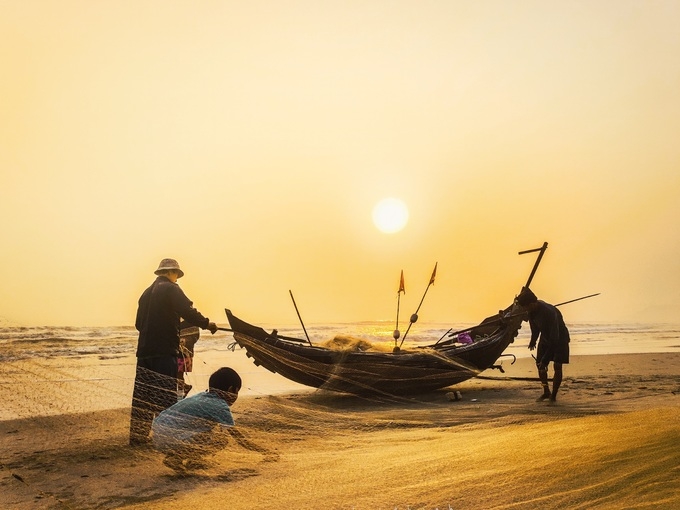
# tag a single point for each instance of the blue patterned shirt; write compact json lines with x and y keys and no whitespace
{"x":190,"y":416}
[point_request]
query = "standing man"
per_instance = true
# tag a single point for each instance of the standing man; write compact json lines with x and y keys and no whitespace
{"x":546,"y":320}
{"x":161,"y":307}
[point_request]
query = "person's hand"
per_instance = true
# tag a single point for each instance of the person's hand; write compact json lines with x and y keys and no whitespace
{"x":532,"y":346}
{"x":212,"y":327}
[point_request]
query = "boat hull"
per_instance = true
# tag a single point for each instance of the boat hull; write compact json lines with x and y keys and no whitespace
{"x":367,"y":372}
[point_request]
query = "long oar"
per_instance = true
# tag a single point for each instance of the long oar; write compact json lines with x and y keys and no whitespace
{"x":396,"y":333}
{"x":298,"y":314}
{"x":414,"y":317}
{"x":577,"y":299}
{"x":501,"y":319}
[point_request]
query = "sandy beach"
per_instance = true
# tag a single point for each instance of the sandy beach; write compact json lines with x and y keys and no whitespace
{"x":611,"y":441}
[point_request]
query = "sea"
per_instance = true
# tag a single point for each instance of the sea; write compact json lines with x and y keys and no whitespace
{"x":26,"y":342}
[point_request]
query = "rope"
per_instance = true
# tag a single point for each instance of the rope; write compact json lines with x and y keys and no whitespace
{"x":507,"y":378}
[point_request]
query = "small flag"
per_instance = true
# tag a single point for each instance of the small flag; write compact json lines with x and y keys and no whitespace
{"x":434,"y":273}
{"x":401,"y":283}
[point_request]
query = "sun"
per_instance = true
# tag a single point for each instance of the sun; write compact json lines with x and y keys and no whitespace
{"x":390,"y":215}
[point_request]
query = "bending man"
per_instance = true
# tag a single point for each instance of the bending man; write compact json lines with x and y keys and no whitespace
{"x":546,"y":320}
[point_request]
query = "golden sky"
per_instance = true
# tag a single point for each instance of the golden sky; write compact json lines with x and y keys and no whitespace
{"x":251,"y":140}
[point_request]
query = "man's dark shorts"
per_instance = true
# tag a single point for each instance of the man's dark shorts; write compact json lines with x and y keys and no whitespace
{"x":558,"y":355}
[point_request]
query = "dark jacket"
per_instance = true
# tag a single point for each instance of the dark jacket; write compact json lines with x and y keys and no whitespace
{"x":546,"y":321}
{"x":158,"y":316}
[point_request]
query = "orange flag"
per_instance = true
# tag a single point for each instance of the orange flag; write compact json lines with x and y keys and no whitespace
{"x":401,"y":283}
{"x":434,"y":273}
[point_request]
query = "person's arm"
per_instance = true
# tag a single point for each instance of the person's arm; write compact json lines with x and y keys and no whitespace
{"x":246,"y":443}
{"x":142,"y":310}
{"x":534,"y":333}
{"x":185,"y":308}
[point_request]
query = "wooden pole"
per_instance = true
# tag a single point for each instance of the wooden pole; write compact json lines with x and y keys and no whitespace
{"x":414,"y":317}
{"x":538,"y":260}
{"x":298,"y":314}
{"x":396,"y":332}
{"x":577,"y":299}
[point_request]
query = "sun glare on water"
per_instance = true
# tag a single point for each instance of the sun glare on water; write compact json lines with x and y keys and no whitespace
{"x":390,"y":215}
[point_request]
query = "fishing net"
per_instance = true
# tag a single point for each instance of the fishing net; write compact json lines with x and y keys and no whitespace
{"x":351,"y":343}
{"x":66,"y":407}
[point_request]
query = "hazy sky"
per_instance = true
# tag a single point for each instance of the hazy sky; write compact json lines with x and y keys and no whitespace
{"x":251,"y":140}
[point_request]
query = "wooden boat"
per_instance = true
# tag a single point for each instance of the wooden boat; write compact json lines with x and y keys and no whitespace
{"x":407,"y":371}
{"x":400,"y":372}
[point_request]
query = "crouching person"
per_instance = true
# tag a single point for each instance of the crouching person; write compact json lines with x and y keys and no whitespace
{"x":200,"y":425}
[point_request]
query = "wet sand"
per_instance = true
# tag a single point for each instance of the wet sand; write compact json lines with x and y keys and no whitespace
{"x":611,"y":441}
